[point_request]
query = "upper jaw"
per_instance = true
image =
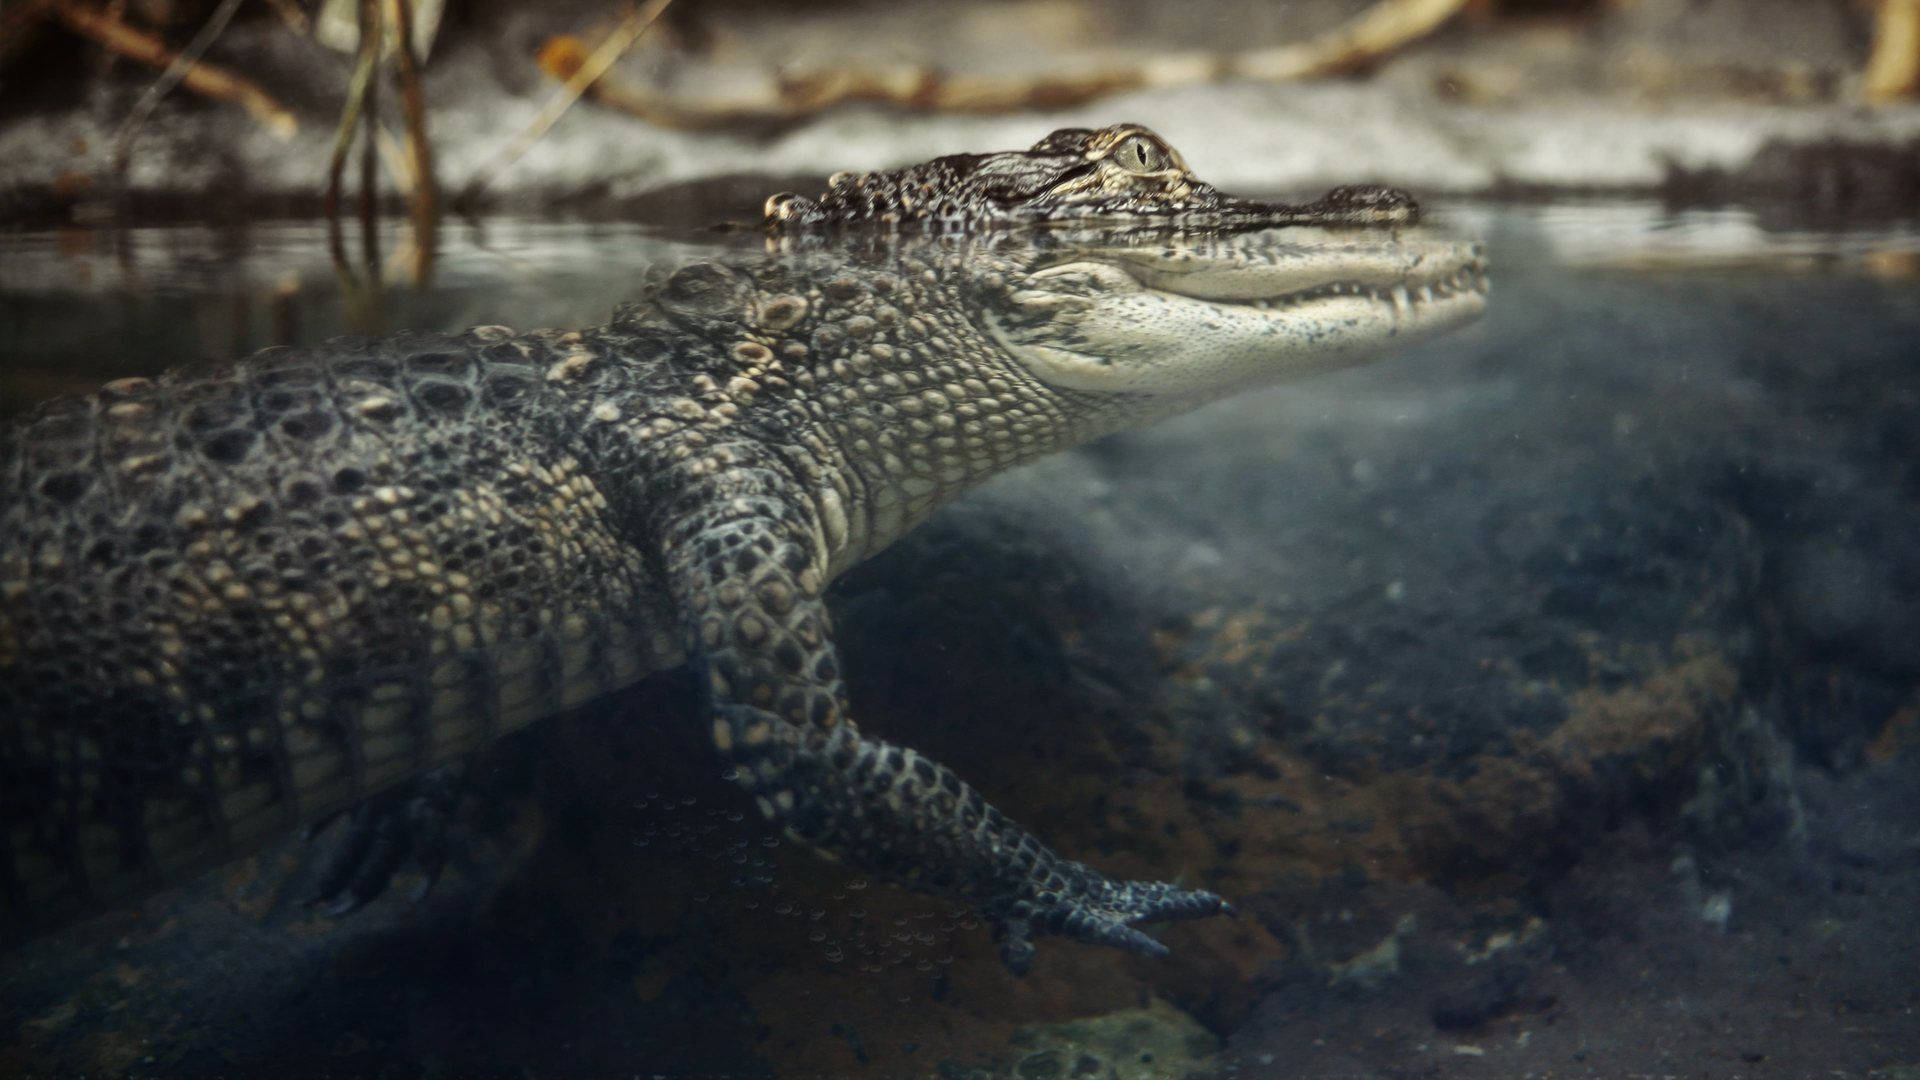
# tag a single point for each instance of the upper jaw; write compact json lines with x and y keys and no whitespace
{"x":1194,"y":319}
{"x":1280,"y":267}
{"x":1362,"y":206}
{"x":1203,"y":206}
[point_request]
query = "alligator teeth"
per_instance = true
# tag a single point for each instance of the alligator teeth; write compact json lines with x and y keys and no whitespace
{"x":1404,"y":298}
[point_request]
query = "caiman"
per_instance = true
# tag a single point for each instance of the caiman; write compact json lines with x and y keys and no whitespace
{"x":236,"y":599}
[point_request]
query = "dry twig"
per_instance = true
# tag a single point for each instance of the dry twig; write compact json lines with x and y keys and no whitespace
{"x":197,"y":75}
{"x":170,"y":78}
{"x":359,"y":86}
{"x":595,"y":65}
{"x":1384,"y":28}
{"x":425,"y":196}
{"x":1893,"y":70}
{"x":565,"y":57}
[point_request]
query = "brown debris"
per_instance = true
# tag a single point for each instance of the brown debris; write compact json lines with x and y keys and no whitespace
{"x":1893,"y":70}
{"x":802,"y":95}
{"x":293,"y":15}
{"x":1377,"y":32}
{"x":1381,"y":30}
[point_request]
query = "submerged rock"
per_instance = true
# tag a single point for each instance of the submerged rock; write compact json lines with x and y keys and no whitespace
{"x":1156,"y":1042}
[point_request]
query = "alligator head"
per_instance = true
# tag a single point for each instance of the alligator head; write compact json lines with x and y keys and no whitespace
{"x":1119,"y":174}
{"x":938,"y":360}
{"x":1191,"y":317}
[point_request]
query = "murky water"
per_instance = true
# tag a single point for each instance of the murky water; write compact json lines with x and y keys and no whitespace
{"x":1545,"y":698}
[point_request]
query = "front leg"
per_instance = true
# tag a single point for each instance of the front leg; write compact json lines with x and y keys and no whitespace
{"x":748,"y":575}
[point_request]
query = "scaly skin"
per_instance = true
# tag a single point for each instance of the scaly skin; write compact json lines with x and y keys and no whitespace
{"x":1122,"y":174}
{"x":234,"y":600}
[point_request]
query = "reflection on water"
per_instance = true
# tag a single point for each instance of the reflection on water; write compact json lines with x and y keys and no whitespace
{"x":1649,"y":236}
{"x":1553,"y":681}
{"x":80,"y":306}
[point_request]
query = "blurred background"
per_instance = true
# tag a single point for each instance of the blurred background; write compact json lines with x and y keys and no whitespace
{"x":160,"y":100}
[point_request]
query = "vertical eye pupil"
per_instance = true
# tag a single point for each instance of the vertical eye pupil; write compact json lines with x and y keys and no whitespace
{"x":1139,"y":155}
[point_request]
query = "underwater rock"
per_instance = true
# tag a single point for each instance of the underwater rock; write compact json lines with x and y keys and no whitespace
{"x":1151,"y":1043}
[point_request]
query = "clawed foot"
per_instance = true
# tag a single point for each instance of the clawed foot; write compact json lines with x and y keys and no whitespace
{"x":1101,"y":912}
{"x":406,"y":827}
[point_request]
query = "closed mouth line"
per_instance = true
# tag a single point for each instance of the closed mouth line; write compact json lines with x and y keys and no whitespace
{"x":1466,"y":280}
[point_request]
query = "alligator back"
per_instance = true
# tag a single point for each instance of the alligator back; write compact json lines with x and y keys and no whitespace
{"x":236,"y":599}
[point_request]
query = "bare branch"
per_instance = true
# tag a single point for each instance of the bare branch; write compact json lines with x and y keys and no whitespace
{"x":1385,"y":27}
{"x":615,"y":46}
{"x":170,"y":78}
{"x":1893,"y":71}
{"x":198,"y":76}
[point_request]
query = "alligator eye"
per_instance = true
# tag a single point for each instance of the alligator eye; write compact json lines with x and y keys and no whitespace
{"x":1142,"y":155}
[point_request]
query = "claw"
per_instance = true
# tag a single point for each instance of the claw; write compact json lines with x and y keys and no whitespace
{"x":382,"y":836}
{"x":1103,"y":912}
{"x":360,"y":869}
{"x":1016,"y":945}
{"x":1126,"y":937}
